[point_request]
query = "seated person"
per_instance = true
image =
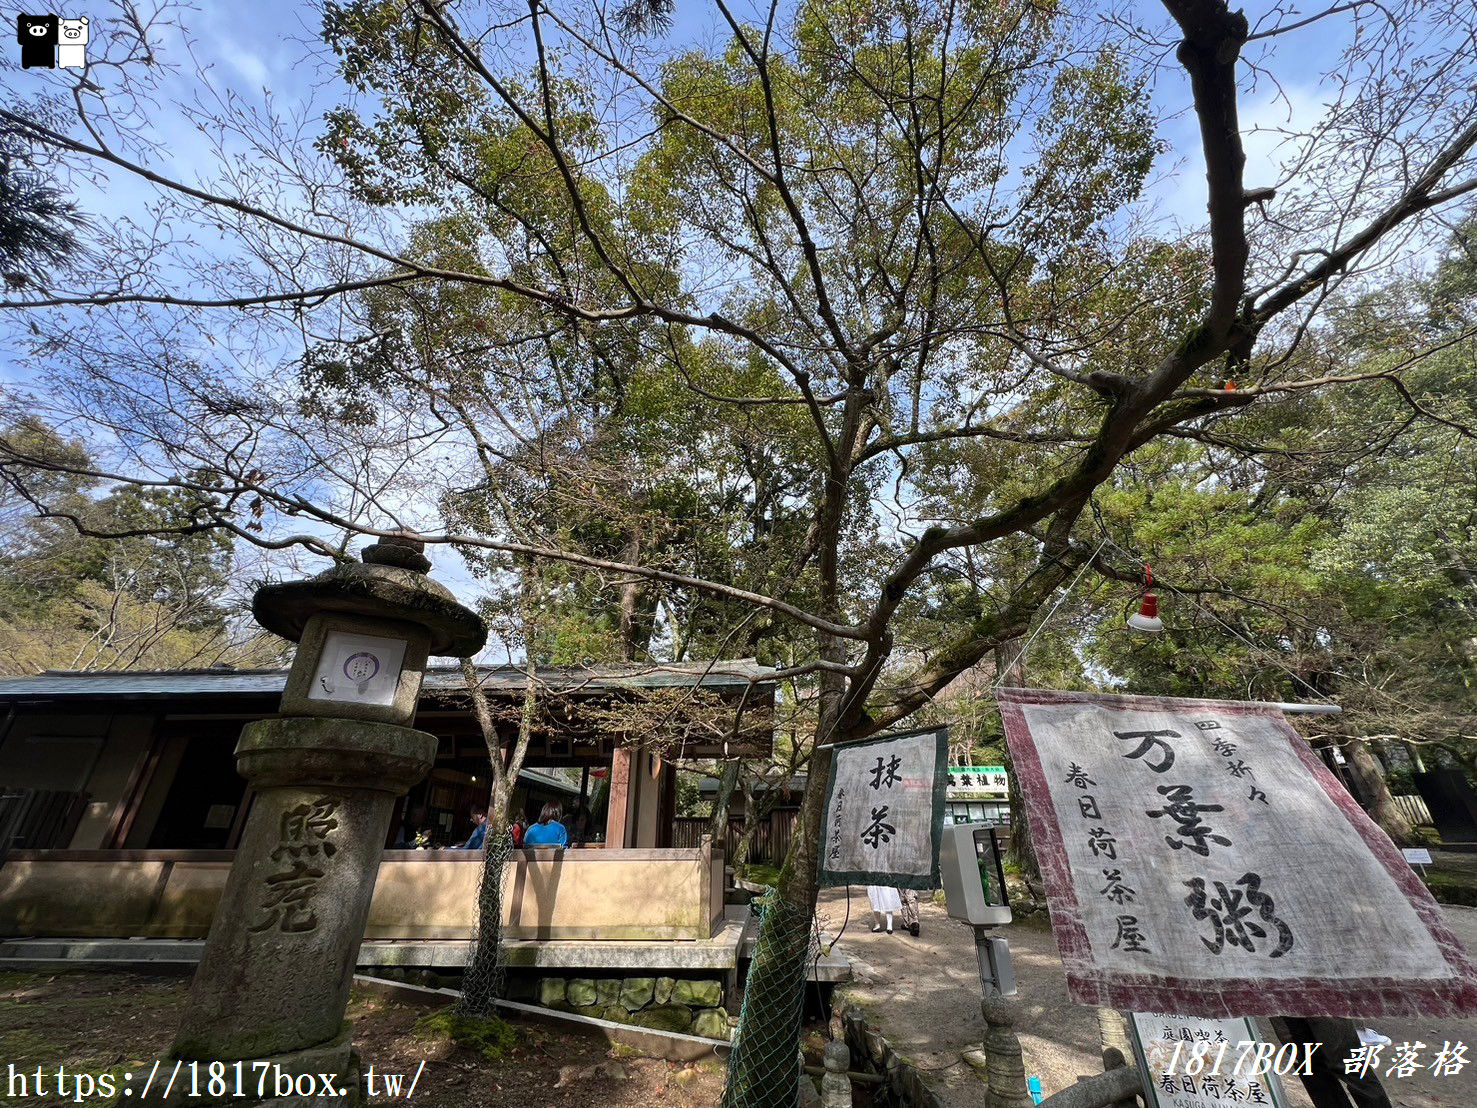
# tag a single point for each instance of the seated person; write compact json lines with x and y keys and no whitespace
{"x":410,"y":830}
{"x":579,"y":826}
{"x":479,"y":831}
{"x":548,"y":831}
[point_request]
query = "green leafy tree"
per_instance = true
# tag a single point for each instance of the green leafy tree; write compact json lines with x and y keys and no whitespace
{"x":115,"y":580}
{"x":1328,"y":555}
{"x":38,"y":224}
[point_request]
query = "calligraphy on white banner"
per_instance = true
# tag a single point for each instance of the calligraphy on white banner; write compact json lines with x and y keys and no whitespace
{"x":1199,"y":858}
{"x":884,"y":811}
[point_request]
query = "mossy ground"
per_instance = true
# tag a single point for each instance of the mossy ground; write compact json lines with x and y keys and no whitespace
{"x":1452,"y":877}
{"x":106,"y":1021}
{"x":1452,"y":889}
{"x":492,"y":1038}
{"x":90,"y":1023}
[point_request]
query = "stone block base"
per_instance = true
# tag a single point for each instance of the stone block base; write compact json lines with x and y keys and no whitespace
{"x":678,"y":1005}
{"x":296,"y":1075}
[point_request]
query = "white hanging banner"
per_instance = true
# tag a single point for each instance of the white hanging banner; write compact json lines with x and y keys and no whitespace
{"x":885,"y":811}
{"x":1198,"y":857}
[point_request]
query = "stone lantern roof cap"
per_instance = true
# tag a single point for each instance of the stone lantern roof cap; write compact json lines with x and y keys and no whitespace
{"x":391,"y":584}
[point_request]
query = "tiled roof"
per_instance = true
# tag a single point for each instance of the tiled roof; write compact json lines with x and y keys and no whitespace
{"x":173,"y":684}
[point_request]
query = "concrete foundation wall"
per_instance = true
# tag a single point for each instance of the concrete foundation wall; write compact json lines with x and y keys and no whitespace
{"x":583,"y":894}
{"x":82,"y":898}
{"x":616,"y":894}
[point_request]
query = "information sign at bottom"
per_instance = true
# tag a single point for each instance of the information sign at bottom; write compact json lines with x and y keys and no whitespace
{"x":1194,"y":1062}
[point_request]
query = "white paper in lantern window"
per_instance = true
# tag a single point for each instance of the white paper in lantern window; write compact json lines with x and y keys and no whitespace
{"x":358,"y":669}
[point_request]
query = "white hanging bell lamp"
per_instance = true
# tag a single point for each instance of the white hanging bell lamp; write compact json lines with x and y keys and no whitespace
{"x":1146,"y":620}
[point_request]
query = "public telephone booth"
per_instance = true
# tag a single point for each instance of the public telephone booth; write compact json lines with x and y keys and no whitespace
{"x":973,"y":871}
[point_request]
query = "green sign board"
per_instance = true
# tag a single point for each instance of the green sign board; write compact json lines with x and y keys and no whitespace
{"x":977,"y":782}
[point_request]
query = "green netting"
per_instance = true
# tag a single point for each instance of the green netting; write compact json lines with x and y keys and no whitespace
{"x":484,"y":981}
{"x":762,"y":1070}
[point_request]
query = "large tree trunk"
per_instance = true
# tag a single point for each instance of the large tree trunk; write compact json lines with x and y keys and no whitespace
{"x":482,"y":983}
{"x":1369,"y":788}
{"x":718,"y":825}
{"x":1021,"y":852}
{"x":757,"y":810}
{"x":761,"y":1069}
{"x":630,"y":595}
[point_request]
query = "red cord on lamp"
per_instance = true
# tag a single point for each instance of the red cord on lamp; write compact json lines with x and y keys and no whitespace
{"x":1146,"y":619}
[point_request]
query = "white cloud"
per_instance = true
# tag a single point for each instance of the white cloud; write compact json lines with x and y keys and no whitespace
{"x":247,"y":64}
{"x":1267,"y":117}
{"x":1268,"y":121}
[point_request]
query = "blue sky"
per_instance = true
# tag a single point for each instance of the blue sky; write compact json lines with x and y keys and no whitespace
{"x":272,"y":44}
{"x":272,"y":48}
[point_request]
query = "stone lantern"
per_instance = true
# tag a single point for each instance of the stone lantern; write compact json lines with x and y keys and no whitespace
{"x":274,"y":980}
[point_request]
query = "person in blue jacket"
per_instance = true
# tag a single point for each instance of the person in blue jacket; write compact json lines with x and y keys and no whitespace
{"x":479,"y":833}
{"x":548,"y":831}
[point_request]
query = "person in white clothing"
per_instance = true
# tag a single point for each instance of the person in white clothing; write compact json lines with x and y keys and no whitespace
{"x":885,"y":902}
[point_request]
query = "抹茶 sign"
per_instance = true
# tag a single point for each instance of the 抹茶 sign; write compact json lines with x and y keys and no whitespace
{"x":884,"y":812}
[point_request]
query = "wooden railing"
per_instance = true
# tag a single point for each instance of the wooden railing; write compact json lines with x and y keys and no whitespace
{"x":1414,"y":809}
{"x":771,"y":838}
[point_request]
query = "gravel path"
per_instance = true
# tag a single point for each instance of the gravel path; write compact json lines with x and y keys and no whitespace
{"x":925,"y":995}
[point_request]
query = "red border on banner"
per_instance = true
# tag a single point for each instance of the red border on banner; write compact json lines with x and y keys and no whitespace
{"x":1364,"y":997}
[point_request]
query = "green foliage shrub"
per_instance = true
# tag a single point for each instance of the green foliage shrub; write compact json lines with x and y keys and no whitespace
{"x":1451,"y":890}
